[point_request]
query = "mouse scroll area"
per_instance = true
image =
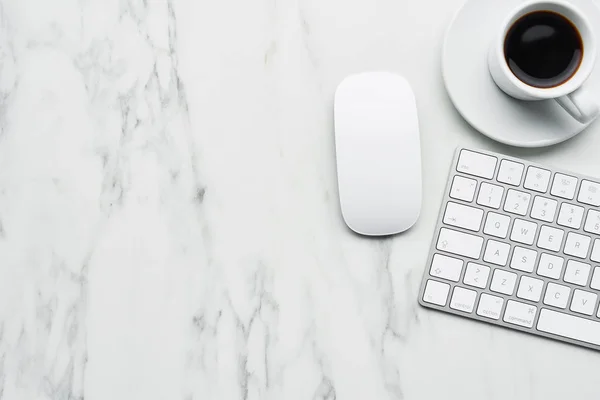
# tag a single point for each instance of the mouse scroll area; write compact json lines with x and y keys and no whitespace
{"x":378,"y":153}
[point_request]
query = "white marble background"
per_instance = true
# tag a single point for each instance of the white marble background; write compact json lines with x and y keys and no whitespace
{"x":169,"y":225}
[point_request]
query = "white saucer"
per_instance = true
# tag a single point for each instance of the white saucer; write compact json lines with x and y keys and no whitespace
{"x":481,"y":102}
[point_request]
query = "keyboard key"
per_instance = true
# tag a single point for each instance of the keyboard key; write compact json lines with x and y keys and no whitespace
{"x":496,"y":225}
{"x":477,"y":164}
{"x":463,"y":299}
{"x":463,"y":216}
{"x":447,"y":268}
{"x":510,"y":172}
{"x":570,"y":216}
{"x":517,"y":202}
{"x":550,"y":266}
{"x":476,"y":275}
{"x":569,"y":326}
{"x":490,"y":306}
{"x":520,"y":314}
{"x":596,"y":252}
{"x":577,"y":273}
{"x":544,"y":209}
{"x":550,"y":238}
{"x":584,"y":302}
{"x":436,"y":293}
{"x":523,"y":259}
{"x":523,"y":232}
{"x":463,"y":244}
{"x":490,"y":195}
{"x":596,"y":279}
{"x":530,"y":289}
{"x":564,"y":186}
{"x":577,"y":245}
{"x":589,"y":193}
{"x":592,"y":223}
{"x":557,"y":295}
{"x":537,"y":179}
{"x":496,"y":252}
{"x":463,"y":189}
{"x":503,"y":282}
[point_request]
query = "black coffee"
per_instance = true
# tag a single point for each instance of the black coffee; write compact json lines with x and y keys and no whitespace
{"x":543,"y":49}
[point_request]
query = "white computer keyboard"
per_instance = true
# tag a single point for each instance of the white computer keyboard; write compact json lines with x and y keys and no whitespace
{"x":518,"y":245}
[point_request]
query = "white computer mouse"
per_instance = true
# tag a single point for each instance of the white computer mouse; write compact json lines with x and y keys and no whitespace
{"x":378,"y":153}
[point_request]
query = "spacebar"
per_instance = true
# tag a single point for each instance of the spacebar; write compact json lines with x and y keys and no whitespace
{"x":569,"y":326}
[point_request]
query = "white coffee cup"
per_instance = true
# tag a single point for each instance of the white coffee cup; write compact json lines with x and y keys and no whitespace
{"x":571,"y":94}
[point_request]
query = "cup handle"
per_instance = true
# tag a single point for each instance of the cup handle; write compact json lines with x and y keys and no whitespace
{"x":580,"y":105}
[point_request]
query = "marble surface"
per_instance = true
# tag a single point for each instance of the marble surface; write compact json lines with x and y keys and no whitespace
{"x":169,"y":222}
